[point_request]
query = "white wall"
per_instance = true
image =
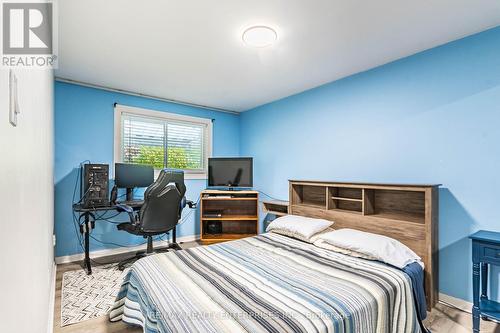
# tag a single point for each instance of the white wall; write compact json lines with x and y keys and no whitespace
{"x":27,"y":204}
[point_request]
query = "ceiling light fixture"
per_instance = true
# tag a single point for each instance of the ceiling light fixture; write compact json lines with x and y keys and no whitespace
{"x":259,"y":36}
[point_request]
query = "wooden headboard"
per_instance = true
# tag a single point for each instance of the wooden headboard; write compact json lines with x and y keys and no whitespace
{"x":406,"y":212}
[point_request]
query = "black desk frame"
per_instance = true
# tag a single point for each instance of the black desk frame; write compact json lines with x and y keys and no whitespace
{"x":88,"y":224}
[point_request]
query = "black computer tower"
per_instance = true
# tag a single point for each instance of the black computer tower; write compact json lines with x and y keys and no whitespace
{"x":95,"y":187}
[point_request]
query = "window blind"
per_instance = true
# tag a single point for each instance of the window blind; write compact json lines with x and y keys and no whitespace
{"x":162,"y":143}
{"x":185,"y":146}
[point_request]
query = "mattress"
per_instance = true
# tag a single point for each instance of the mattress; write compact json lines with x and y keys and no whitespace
{"x":266,"y":283}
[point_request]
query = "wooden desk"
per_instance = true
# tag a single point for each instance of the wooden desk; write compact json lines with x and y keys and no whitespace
{"x":485,"y":251}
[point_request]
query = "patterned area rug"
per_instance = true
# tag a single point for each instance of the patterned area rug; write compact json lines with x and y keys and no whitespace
{"x":89,"y":296}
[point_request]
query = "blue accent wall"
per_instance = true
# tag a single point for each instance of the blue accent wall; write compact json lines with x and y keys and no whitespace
{"x":431,"y":118}
{"x":84,"y":119}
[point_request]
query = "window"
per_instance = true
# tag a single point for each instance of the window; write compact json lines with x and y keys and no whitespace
{"x":163,"y":140}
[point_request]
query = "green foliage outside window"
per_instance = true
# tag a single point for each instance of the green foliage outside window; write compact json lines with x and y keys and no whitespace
{"x":154,"y":156}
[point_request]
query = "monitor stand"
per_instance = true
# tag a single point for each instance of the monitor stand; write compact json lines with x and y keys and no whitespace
{"x":130,"y":193}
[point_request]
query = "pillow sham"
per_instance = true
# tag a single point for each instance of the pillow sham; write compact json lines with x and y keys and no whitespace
{"x":371,"y":246}
{"x":300,"y":227}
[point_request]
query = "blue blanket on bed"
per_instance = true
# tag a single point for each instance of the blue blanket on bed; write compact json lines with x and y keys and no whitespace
{"x":416,"y":274}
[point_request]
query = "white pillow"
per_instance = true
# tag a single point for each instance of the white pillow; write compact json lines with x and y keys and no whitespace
{"x":318,"y":234}
{"x":374,"y":246}
{"x":299,"y":227}
{"x":324,"y":245}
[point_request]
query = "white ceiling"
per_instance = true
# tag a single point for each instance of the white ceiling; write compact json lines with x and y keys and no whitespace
{"x":191,"y":51}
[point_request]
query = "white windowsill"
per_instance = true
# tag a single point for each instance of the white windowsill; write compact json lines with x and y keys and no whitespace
{"x":195,"y":176}
{"x":187,"y":175}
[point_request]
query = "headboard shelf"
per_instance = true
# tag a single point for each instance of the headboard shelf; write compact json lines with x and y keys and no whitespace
{"x":346,"y":199}
{"x":400,"y":216}
{"x":349,"y":211}
{"x":406,"y":212}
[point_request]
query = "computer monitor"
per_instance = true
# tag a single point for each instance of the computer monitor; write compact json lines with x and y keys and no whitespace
{"x":130,"y":176}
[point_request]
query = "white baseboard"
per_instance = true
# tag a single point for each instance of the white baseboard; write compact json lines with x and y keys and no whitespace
{"x":455,"y":302}
{"x":119,"y":250}
{"x":52,"y":299}
{"x":459,"y":304}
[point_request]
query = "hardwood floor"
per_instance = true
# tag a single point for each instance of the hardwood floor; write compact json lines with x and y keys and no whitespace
{"x":442,"y":319}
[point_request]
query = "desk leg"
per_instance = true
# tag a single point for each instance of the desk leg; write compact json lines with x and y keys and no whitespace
{"x":475,"y":296}
{"x":86,"y":233}
{"x":484,"y":283}
{"x":484,"y":280}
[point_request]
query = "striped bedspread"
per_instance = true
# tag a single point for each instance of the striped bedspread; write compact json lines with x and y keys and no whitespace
{"x":266,"y":283}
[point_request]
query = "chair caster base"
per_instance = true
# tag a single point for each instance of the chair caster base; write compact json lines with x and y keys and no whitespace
{"x":174,"y":246}
{"x":128,"y":262}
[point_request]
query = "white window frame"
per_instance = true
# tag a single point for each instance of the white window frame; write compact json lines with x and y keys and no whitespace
{"x":207,"y":146}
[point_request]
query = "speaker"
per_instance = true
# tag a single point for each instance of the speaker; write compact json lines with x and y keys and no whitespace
{"x":95,"y":187}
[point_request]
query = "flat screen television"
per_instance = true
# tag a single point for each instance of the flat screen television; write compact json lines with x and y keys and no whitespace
{"x":230,"y":172}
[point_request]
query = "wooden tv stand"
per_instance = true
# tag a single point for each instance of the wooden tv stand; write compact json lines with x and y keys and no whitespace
{"x":236,"y":211}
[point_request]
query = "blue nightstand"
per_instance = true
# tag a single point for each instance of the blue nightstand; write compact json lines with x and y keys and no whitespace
{"x":485,"y":251}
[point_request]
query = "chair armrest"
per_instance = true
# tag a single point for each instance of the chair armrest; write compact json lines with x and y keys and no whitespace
{"x":127,"y":209}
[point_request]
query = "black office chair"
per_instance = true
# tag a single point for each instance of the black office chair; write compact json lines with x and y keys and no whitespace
{"x":164,"y":201}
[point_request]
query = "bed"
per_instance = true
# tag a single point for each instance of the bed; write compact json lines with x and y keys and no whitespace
{"x":266,"y":283}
